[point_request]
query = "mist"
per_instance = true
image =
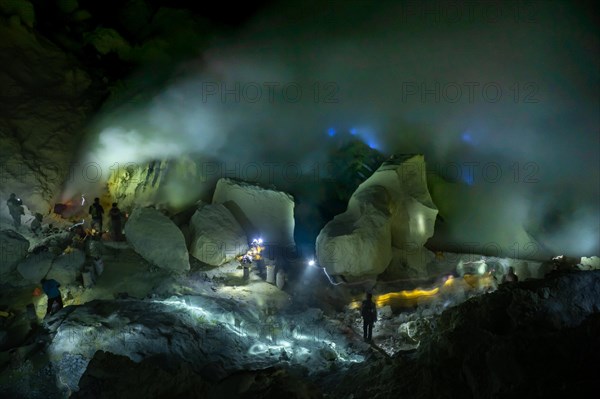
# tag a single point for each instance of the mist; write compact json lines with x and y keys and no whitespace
{"x":505,"y":96}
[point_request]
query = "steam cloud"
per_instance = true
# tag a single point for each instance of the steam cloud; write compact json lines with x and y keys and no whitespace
{"x":515,"y":89}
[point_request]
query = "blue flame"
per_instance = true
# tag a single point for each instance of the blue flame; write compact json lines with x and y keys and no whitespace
{"x":468,"y":176}
{"x":372,"y":144}
{"x":331,"y":132}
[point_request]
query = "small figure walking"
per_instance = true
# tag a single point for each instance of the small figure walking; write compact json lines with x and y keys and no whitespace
{"x":55,"y":302}
{"x":368,"y":312}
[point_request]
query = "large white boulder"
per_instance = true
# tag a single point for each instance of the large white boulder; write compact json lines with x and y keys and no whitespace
{"x":217,"y":237}
{"x":67,"y":267}
{"x":260,"y":211}
{"x":358,"y":241}
{"x":13,"y":249}
{"x":389,"y":217}
{"x":35,"y":266}
{"x":157,"y":239}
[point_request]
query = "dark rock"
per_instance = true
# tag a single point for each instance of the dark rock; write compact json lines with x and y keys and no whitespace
{"x":532,"y":340}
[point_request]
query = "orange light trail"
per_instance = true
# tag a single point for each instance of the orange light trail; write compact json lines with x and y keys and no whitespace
{"x":411,"y":296}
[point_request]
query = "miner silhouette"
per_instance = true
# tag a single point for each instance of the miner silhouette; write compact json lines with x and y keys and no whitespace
{"x":368,"y":312}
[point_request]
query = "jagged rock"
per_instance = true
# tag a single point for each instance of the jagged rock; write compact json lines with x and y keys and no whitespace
{"x":391,"y":209}
{"x":157,"y":239}
{"x":35,"y":266}
{"x":514,"y":326}
{"x":66,"y":268}
{"x":260,"y":211}
{"x":154,"y":182}
{"x":13,"y":249}
{"x":524,"y":340}
{"x":39,"y":130}
{"x":217,"y":237}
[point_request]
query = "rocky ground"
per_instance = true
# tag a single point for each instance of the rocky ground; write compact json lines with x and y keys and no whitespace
{"x":210,"y":334}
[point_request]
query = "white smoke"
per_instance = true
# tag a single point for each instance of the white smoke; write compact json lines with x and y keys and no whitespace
{"x":389,"y":76}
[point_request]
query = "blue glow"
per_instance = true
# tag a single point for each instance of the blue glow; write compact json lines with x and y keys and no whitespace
{"x":467,"y":138}
{"x":468,"y":177}
{"x":331,"y":132}
{"x":353,"y":131}
{"x":372,"y":144}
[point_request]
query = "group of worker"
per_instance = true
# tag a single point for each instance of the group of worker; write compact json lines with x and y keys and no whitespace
{"x":50,"y":286}
{"x":96,"y":211}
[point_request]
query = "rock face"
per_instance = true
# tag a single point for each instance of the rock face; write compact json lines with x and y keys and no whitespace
{"x":13,"y":248}
{"x":389,"y":217}
{"x":155,"y":182}
{"x":157,"y":239}
{"x":532,"y":339}
{"x":217,"y":237}
{"x":67,"y":267}
{"x":35,"y":266}
{"x":260,"y":211}
{"x":45,"y":101}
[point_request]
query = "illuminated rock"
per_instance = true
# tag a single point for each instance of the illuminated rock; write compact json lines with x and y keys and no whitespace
{"x":157,"y":239}
{"x":41,"y":133}
{"x":390,"y":216}
{"x":66,"y":268}
{"x":591,"y":263}
{"x":164,"y":182}
{"x":35,"y":266}
{"x":217,"y":237}
{"x":260,"y":211}
{"x":13,"y":248}
{"x":357,"y":242}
